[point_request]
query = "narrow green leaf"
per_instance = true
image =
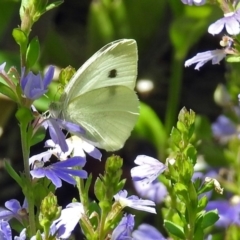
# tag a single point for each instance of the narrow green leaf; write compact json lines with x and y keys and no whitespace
{"x":7,"y":91}
{"x":33,"y":52}
{"x":13,"y":173}
{"x":38,"y":136}
{"x":209,"y":218}
{"x":174,"y":229}
{"x":202,"y":203}
{"x":88,"y":184}
{"x":99,"y":189}
{"x":176,"y":136}
{"x":53,"y":5}
{"x":233,"y":58}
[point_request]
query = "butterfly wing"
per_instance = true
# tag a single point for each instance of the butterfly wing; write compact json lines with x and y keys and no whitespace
{"x":114,"y":64}
{"x":107,"y":114}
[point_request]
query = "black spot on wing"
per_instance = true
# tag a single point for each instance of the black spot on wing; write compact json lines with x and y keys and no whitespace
{"x":112,"y":73}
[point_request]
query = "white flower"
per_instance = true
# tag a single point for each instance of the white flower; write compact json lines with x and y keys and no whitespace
{"x":196,"y":2}
{"x":76,"y":146}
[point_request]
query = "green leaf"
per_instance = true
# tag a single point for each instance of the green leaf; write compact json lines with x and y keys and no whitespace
{"x":209,"y":219}
{"x":33,"y":52}
{"x":99,"y":189}
{"x":181,"y":191}
{"x":174,"y":229}
{"x":41,"y":190}
{"x":120,"y":185}
{"x":13,"y":173}
{"x":7,"y":91}
{"x":24,"y":115}
{"x":191,"y":153}
{"x":233,"y":58}
{"x":20,"y":37}
{"x":176,"y":136}
{"x":186,"y":170}
{"x":38,"y":136}
{"x":202,"y":203}
{"x":53,"y":5}
{"x":88,"y":184}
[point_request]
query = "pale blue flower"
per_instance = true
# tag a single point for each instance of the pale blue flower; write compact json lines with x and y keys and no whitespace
{"x":70,"y":216}
{"x":5,"y":230}
{"x":134,"y":202}
{"x":148,"y":170}
{"x":60,"y":170}
{"x":155,"y":191}
{"x":201,"y":58}
{"x":223,"y":128}
{"x":196,"y":2}
{"x":147,"y":232}
{"x":34,"y":86}
{"x":123,"y":231}
{"x":14,"y":210}
{"x":231,"y":21}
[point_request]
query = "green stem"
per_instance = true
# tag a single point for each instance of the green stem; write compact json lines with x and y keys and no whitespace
{"x":174,"y":92}
{"x":102,"y":224}
{"x":83,"y":195}
{"x":28,"y":192}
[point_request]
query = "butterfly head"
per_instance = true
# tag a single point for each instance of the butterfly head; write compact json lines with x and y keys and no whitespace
{"x":55,"y":109}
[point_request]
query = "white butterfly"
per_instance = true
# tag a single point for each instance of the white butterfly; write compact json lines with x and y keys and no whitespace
{"x":100,"y":97}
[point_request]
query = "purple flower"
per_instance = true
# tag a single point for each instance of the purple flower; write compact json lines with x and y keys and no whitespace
{"x":196,"y":2}
{"x":14,"y":210}
{"x":230,"y":21}
{"x":155,"y":191}
{"x":223,"y":128}
{"x":228,"y":213}
{"x":201,"y":58}
{"x":76,"y":148}
{"x":123,"y":231}
{"x":56,"y":133}
{"x":70,"y":216}
{"x":134,"y":202}
{"x":5,"y":230}
{"x":148,"y":170}
{"x":60,"y":170}
{"x":34,"y":86}
{"x":147,"y":232}
{"x":71,"y":127}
